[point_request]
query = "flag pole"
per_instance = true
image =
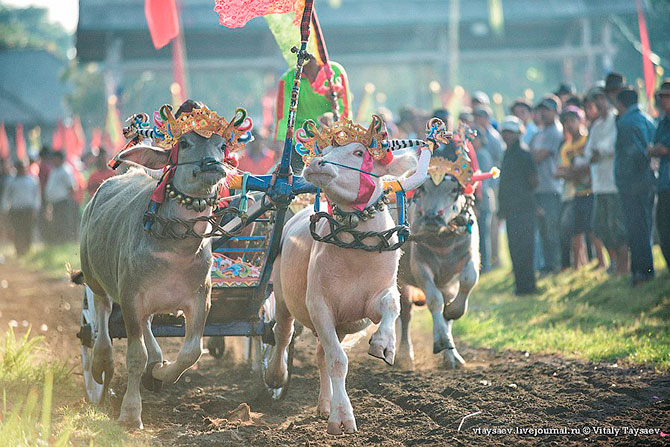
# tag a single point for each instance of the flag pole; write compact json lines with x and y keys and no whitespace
{"x":284,"y":168}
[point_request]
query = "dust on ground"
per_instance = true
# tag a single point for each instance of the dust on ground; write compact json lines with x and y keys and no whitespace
{"x":499,"y":398}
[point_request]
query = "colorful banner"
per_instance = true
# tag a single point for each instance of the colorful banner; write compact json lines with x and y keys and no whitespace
{"x":4,"y":142}
{"x":163,"y":21}
{"x":113,"y":126}
{"x":21,"y":153}
{"x":236,"y":13}
{"x":58,"y":137}
{"x":647,"y":64}
{"x":496,"y":17}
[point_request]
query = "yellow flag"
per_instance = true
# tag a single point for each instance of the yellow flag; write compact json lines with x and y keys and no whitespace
{"x":496,"y":17}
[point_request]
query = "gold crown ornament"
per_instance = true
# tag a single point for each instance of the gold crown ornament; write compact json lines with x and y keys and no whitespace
{"x":204,"y":122}
{"x":311,"y":141}
{"x":461,"y":168}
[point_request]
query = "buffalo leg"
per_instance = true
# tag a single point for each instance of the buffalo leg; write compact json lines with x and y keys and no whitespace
{"x":435,"y":303}
{"x":341,"y":411}
{"x":385,"y":309}
{"x":325,"y":386}
{"x":405,"y":358}
{"x":155,"y":356}
{"x":103,"y":360}
{"x":457,"y":308}
{"x":136,"y":361}
{"x":277,"y":372}
{"x":195,"y":316}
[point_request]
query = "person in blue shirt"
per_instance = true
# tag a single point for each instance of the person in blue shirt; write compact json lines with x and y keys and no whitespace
{"x":635,"y":181}
{"x":661,"y":149}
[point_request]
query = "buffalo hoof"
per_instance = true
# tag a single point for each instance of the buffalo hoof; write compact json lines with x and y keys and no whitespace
{"x":131,"y":424}
{"x":440,"y":345}
{"x":337,"y":427}
{"x":452,"y":359}
{"x":323,"y":410}
{"x":276,"y":379}
{"x":378,"y":351}
{"x":148,"y":380}
{"x":404,"y":363}
{"x":103,"y":362}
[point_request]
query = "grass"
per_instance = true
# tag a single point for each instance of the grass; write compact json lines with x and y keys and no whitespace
{"x":584,"y":314}
{"x":61,"y":418}
{"x":50,"y":259}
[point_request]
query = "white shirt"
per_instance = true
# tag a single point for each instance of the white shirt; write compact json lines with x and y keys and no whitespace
{"x":21,"y":193}
{"x":602,"y":137}
{"x":60,"y":184}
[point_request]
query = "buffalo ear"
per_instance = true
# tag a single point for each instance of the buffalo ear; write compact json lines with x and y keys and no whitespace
{"x":147,"y":156}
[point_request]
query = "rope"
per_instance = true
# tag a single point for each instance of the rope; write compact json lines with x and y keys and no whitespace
{"x":336,"y":229}
{"x":348,"y":167}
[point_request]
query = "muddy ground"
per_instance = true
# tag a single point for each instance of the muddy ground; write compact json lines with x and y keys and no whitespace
{"x":506,"y":398}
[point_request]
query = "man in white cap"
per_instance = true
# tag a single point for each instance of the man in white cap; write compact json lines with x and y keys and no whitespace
{"x":516,"y":203}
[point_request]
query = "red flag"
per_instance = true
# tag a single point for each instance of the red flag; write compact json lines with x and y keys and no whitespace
{"x":4,"y":143}
{"x":163,"y":21}
{"x":20,"y":143}
{"x":179,"y":71}
{"x":96,"y":138}
{"x":58,"y":137}
{"x":70,"y":143}
{"x":79,"y":133}
{"x":647,"y":64}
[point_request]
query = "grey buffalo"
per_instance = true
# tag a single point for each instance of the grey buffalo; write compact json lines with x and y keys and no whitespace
{"x":145,"y":275}
{"x":442,"y":260}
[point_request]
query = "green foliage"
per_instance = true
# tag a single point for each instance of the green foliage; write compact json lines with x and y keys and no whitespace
{"x":87,"y":96}
{"x":52,"y":259}
{"x":17,"y":362}
{"x":61,"y":418}
{"x":585,"y":314}
{"x":29,"y":28}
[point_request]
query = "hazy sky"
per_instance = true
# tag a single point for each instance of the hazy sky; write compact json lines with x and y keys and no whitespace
{"x":65,"y":12}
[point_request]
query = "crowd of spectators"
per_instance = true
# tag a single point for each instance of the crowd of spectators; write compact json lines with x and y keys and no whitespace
{"x":581,"y":178}
{"x":42,"y":197}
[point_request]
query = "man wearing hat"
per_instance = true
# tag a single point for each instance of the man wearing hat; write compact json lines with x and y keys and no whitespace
{"x":518,"y":180}
{"x":661,"y":149}
{"x":608,"y":217}
{"x":544,"y":148}
{"x":635,"y":181}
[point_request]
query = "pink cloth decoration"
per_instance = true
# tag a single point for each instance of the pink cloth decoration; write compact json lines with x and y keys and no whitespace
{"x":367,"y":185}
{"x":236,"y":13}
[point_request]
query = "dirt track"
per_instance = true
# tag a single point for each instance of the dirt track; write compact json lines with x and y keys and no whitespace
{"x":510,"y":390}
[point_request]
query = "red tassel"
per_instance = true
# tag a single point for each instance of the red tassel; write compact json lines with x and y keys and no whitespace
{"x":388,"y":158}
{"x":232,"y":161}
{"x":469,"y":189}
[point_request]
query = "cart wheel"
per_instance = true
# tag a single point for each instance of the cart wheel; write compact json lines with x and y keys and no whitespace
{"x":263,"y":354}
{"x":216,"y":346}
{"x":95,"y":392}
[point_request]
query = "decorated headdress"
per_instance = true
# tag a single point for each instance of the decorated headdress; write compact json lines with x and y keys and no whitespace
{"x":203,"y":121}
{"x":313,"y":141}
{"x":461,"y":168}
{"x":168,"y":129}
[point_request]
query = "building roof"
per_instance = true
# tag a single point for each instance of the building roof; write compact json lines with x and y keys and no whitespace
{"x":31,"y":92}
